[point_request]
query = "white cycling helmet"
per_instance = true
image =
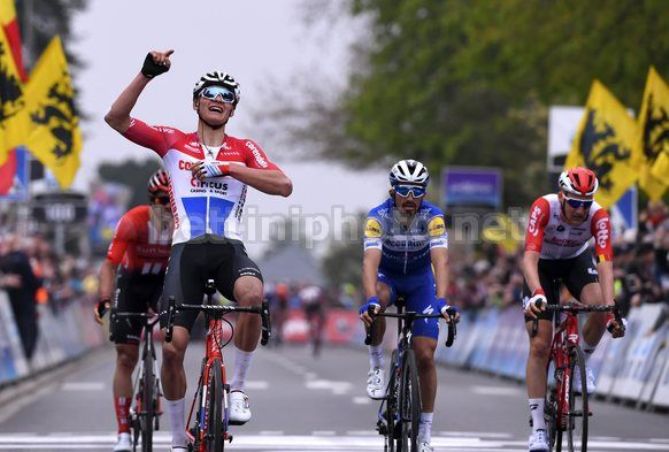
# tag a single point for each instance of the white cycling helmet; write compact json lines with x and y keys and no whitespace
{"x":217,"y":78}
{"x":410,"y":172}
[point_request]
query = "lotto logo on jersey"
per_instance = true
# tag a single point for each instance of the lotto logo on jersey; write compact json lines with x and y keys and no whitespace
{"x":602,"y":232}
{"x":257,"y":154}
{"x":535,"y":217}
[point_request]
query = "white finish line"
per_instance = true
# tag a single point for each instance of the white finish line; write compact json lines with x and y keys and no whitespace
{"x":303,"y":442}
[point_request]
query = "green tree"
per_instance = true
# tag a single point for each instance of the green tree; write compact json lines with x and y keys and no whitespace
{"x":135,"y":175}
{"x":455,"y":82}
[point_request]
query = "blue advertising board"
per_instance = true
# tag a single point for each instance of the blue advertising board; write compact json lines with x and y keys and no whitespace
{"x":472,"y":186}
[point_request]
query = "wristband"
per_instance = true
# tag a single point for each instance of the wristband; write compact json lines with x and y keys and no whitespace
{"x":539,"y":291}
{"x":224,"y":168}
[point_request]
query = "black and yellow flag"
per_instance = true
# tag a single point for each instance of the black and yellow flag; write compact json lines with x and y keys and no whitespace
{"x":653,"y":141}
{"x":12,"y":123}
{"x":606,"y":143}
{"x":55,"y":137}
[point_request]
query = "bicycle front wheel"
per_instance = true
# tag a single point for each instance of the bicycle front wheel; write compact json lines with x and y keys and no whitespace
{"x":410,"y":404}
{"x":215,"y":440}
{"x":391,"y":412}
{"x":577,"y":417}
{"x":148,"y":407}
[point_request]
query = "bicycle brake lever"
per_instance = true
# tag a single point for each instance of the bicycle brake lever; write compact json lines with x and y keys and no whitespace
{"x":266,"y":323}
{"x":452,"y":329}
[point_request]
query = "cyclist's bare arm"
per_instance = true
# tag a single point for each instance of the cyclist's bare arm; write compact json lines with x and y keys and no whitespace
{"x":370,"y":268}
{"x":531,"y":270}
{"x":439,"y":258}
{"x":371,"y":260}
{"x":272,"y":182}
{"x":605,"y":270}
{"x":118,"y":116}
{"x":106,"y":277}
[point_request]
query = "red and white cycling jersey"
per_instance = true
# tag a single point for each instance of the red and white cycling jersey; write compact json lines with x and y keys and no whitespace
{"x":138,"y":246}
{"x":212,"y":206}
{"x":548,"y":234}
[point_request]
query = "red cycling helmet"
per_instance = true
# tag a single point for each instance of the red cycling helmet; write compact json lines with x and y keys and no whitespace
{"x":160,"y":181}
{"x":578,"y":181}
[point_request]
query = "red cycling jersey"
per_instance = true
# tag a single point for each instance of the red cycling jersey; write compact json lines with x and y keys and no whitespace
{"x":548,"y":234}
{"x":138,"y":246}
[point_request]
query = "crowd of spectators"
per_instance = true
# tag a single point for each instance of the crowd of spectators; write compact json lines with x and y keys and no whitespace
{"x":641,"y":268}
{"x":32,"y":274}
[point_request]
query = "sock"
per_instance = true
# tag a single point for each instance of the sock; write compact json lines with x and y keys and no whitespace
{"x":122,"y":408}
{"x":537,"y":412}
{"x":376,"y":356}
{"x":175,"y":411}
{"x":242,"y":363}
{"x":425,"y":427}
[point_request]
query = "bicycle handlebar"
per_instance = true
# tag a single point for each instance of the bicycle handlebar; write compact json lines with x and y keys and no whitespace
{"x":452,"y":329}
{"x":579,"y":308}
{"x":218,"y":311}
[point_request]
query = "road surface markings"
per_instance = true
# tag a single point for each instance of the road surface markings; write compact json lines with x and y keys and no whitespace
{"x":256,"y":384}
{"x":78,"y":386}
{"x":337,"y":387}
{"x":496,"y":391}
{"x":323,"y":442}
{"x":362,"y":400}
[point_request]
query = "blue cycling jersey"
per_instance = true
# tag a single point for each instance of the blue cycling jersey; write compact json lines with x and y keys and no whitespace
{"x":405,"y":247}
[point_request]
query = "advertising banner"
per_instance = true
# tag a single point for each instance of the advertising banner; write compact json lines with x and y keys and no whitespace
{"x":472,"y":186}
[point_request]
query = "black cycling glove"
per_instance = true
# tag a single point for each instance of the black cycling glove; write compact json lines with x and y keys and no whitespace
{"x":150,"y":68}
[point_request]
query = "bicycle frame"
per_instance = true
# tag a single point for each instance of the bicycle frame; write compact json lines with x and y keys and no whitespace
{"x":140,"y":410}
{"x":565,"y":338}
{"x":213,"y":354}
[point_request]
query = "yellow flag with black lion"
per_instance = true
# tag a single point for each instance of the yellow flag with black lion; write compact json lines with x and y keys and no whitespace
{"x":606,"y":143}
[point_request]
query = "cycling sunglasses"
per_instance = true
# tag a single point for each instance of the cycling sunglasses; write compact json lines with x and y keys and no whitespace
{"x":415,"y":190}
{"x":212,"y":92}
{"x":578,"y":203}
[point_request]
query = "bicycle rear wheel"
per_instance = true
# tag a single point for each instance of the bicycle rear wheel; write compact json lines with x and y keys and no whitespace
{"x":410,"y":404}
{"x":148,"y":408}
{"x":215,"y":440}
{"x":577,"y":417}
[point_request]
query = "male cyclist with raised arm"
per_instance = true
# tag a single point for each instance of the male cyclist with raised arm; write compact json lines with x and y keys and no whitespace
{"x":557,"y":247}
{"x":405,"y":239}
{"x":140,"y":247}
{"x":209,"y":174}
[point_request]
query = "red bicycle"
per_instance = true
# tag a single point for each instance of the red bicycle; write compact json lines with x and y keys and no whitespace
{"x":209,"y":430}
{"x":567,"y":408}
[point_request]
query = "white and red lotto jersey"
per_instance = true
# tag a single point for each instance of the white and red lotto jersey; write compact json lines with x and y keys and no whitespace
{"x":213,"y":206}
{"x":548,"y":234}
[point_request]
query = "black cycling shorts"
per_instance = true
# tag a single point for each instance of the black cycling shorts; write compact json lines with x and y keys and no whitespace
{"x":194,"y":262}
{"x":574,"y":273}
{"x":134,"y":294}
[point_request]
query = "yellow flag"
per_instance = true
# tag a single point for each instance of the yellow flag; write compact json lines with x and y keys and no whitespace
{"x":653,"y":141}
{"x":605,"y":143}
{"x":12,"y":123}
{"x":55,"y":137}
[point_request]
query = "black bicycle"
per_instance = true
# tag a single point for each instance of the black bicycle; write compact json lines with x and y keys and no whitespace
{"x":145,"y":411}
{"x":399,"y":413}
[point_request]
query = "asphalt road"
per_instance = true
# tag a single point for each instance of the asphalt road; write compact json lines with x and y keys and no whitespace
{"x":305,"y":404}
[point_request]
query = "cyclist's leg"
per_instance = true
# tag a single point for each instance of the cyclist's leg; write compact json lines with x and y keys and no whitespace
{"x":583,"y":283}
{"x":183,"y":281}
{"x":386,"y":291}
{"x":540,"y":345}
{"x":422,"y":299}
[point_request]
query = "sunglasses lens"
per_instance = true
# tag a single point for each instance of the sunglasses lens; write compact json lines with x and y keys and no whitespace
{"x":212,"y":92}
{"x":404,"y":190}
{"x":576,"y":203}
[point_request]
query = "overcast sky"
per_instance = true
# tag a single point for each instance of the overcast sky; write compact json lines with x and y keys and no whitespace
{"x":258,"y":41}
